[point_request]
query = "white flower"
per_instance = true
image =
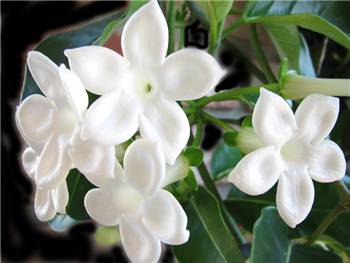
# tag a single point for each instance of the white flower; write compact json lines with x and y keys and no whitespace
{"x":51,"y":125}
{"x":296,"y":151}
{"x":140,"y":89}
{"x":145,"y":213}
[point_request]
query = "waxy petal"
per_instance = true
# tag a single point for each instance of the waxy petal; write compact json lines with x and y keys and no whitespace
{"x":138,"y":243}
{"x":145,"y":37}
{"x":75,"y":91}
{"x":101,"y":70}
{"x":112,"y":119}
{"x":192,"y":74}
{"x":316,"y":116}
{"x":165,"y":122}
{"x":273,"y":119}
{"x":327,"y":162}
{"x":295,"y":196}
{"x":258,"y":171}
{"x":165,"y":218}
{"x":96,"y":161}
{"x":144,"y":166}
{"x":54,"y":163}
{"x":43,"y":205}
{"x":46,"y":75}
{"x":30,"y":161}
{"x":60,"y":197}
{"x":35,"y":119}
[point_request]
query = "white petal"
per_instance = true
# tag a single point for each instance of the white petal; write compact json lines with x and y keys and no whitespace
{"x":166,"y":123}
{"x":327,"y":162}
{"x":316,"y":116}
{"x":138,"y":243}
{"x":165,"y":218}
{"x":76,"y":94}
{"x":258,"y":171}
{"x":112,"y":119}
{"x":295,"y":195}
{"x":96,"y":161}
{"x":189,"y":74}
{"x":144,"y":165}
{"x":100,"y":69}
{"x":30,"y":161}
{"x":35,"y":118}
{"x":145,"y":37}
{"x":273,"y":119}
{"x":43,"y":205}
{"x":60,"y":197}
{"x":54,"y":163}
{"x":45,"y":74}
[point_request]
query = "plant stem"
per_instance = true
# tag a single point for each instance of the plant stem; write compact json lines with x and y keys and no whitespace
{"x":199,"y":132}
{"x":236,"y":93}
{"x":260,"y":55}
{"x":221,"y":124}
{"x":342,"y":207}
{"x":236,"y":24}
{"x":171,"y":16}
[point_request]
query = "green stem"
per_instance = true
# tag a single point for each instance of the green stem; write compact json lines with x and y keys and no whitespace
{"x":199,"y":133}
{"x":221,"y":124}
{"x":236,"y":93}
{"x":171,"y":16}
{"x":342,"y":207}
{"x":260,"y":55}
{"x":236,"y":24}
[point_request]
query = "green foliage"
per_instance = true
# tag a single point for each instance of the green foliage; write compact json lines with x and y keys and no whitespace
{"x":210,"y":240}
{"x":271,"y":243}
{"x":230,"y":138}
{"x":184,"y":189}
{"x":194,"y":156}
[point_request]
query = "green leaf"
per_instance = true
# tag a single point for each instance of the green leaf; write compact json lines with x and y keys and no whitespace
{"x":224,"y":159}
{"x":107,"y":235}
{"x":330,"y":18}
{"x":61,"y":223}
{"x":184,"y":189}
{"x":216,"y":10}
{"x":271,"y":243}
{"x":210,"y":239}
{"x":230,"y":138}
{"x":194,"y":156}
{"x":78,"y":186}
{"x":306,"y":66}
{"x":54,"y":45}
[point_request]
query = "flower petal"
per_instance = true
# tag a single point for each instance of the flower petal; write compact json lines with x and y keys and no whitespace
{"x":273,"y":119}
{"x":144,"y":166}
{"x":295,"y":195}
{"x":54,"y":163}
{"x":76,"y":94}
{"x":60,"y":197}
{"x":258,"y":171}
{"x":138,"y":243}
{"x":100,"y":69}
{"x":165,"y":218}
{"x":181,"y":67}
{"x":45,"y":74}
{"x":96,"y":161}
{"x":165,"y":122}
{"x":327,"y":162}
{"x":35,"y":119}
{"x":316,"y":116}
{"x":145,"y":37}
{"x":43,"y":205}
{"x":112,"y":119}
{"x":30,"y":161}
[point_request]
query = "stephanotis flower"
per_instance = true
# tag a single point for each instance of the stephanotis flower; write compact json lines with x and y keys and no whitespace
{"x":134,"y":200}
{"x":140,"y":89}
{"x":295,"y":152}
{"x":51,"y":125}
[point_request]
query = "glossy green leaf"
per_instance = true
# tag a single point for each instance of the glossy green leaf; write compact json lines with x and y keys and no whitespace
{"x":184,"y":189}
{"x":107,"y":235}
{"x":224,"y":159}
{"x":217,"y":9}
{"x":210,"y":239}
{"x":271,"y":243}
{"x":61,"y":223}
{"x":78,"y":186}
{"x":330,"y":18}
{"x":194,"y":155}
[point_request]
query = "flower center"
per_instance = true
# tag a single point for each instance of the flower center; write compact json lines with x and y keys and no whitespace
{"x":295,"y":151}
{"x":148,"y":88}
{"x":128,"y":200}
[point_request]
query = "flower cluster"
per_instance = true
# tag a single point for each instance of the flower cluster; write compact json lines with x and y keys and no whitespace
{"x":138,"y":93}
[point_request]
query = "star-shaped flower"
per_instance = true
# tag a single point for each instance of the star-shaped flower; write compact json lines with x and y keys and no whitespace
{"x":140,"y":89}
{"x":296,"y":151}
{"x":145,"y":213}
{"x":51,"y":126}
